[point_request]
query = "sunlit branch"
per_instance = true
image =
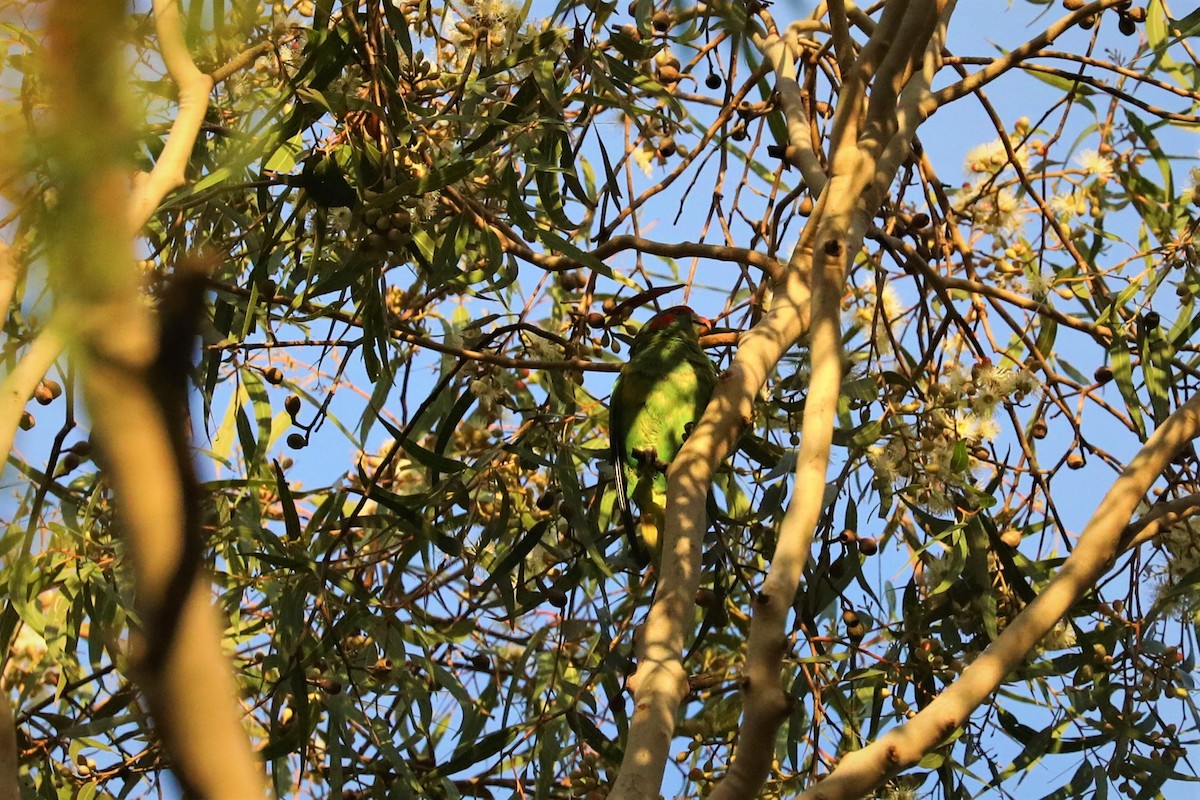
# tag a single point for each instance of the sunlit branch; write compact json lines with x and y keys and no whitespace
{"x":838,"y":226}
{"x":1113,"y":91}
{"x":10,"y":275}
{"x":510,"y":242}
{"x":1100,"y":543}
{"x":1077,"y":58}
{"x":1013,"y":57}
{"x":186,"y":677}
{"x":19,"y":384}
{"x":801,"y":150}
{"x":10,"y":785}
{"x":1159,"y":518}
{"x":194,"y":86}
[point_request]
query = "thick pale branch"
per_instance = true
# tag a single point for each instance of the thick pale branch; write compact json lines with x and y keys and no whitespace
{"x":909,"y":52}
{"x":1001,"y":65}
{"x":194,"y":86}
{"x":1158,"y":519}
{"x":10,"y":275}
{"x":19,"y":384}
{"x":10,"y":784}
{"x":909,"y":113}
{"x":836,"y":230}
{"x":191,"y":693}
{"x":843,"y":44}
{"x":802,"y":149}
{"x":190,"y":687}
{"x":852,"y":99}
{"x":766,"y":705}
{"x":660,"y":682}
{"x":1099,"y":544}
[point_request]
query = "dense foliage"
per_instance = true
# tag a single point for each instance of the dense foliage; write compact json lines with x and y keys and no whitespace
{"x":432,"y":229}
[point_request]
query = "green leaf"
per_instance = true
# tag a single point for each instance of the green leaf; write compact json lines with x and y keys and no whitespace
{"x":256,"y":391}
{"x":1047,"y":332}
{"x":552,"y":146}
{"x":475,"y":753}
{"x":1118,"y":354}
{"x":428,"y":458}
{"x":291,"y":519}
{"x":1155,"y":370}
{"x":520,"y":105}
{"x":285,"y":157}
{"x":1068,"y":86}
{"x":509,"y":561}
{"x":594,"y":737}
{"x":959,"y":459}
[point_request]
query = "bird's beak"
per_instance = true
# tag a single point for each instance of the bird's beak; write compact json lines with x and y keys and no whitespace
{"x":704,"y":325}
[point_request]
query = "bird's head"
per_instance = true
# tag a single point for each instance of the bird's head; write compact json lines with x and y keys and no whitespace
{"x":680,"y":318}
{"x":679,"y":322}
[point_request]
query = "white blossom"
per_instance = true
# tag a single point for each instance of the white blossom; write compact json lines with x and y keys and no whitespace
{"x":1068,"y":206}
{"x":339,"y":219}
{"x":1094,"y":164}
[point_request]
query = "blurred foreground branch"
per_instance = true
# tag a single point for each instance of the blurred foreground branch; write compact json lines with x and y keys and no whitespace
{"x":113,"y":338}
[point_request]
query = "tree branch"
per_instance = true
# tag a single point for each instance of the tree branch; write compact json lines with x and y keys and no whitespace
{"x":189,"y":685}
{"x":977,"y":80}
{"x":1099,"y":545}
{"x":10,"y":784}
{"x":19,"y":384}
{"x":1158,"y":519}
{"x":10,"y":275}
{"x":194,"y":86}
{"x":838,"y":227}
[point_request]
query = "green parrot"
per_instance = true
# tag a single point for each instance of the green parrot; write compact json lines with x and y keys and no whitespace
{"x":660,"y":393}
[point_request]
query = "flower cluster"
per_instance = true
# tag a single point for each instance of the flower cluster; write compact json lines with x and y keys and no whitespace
{"x":1182,"y":543}
{"x":932,"y":446}
{"x":992,"y":158}
{"x":492,"y":387}
{"x":489,"y":33}
{"x":399,"y":475}
{"x":1060,"y":637}
{"x":1095,"y":165}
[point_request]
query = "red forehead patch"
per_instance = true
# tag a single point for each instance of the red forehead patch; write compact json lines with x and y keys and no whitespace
{"x":668,"y":317}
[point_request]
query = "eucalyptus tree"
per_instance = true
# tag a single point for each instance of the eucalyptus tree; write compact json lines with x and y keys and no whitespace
{"x":313,"y":312}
